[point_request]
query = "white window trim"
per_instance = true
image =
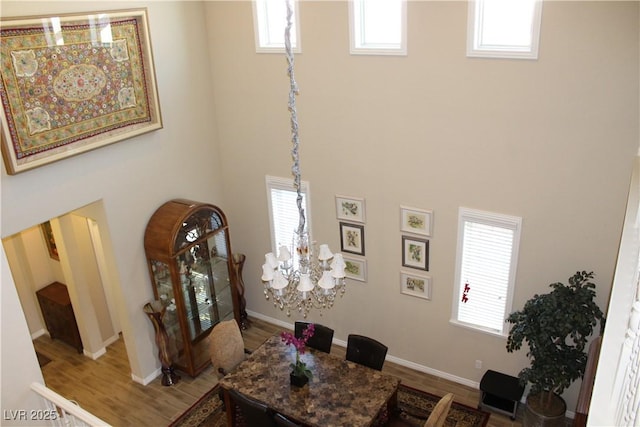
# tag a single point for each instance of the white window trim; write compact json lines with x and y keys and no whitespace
{"x":286,"y":184}
{"x":495,"y":51}
{"x":499,"y":220}
{"x":296,"y":44}
{"x":376,"y":49}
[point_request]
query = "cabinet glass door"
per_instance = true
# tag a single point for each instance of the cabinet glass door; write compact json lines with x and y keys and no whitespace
{"x":221,"y":280}
{"x":164,"y":288}
{"x":196,"y":282}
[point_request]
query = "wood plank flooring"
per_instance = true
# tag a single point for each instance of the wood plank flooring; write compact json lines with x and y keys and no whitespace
{"x":104,"y":387}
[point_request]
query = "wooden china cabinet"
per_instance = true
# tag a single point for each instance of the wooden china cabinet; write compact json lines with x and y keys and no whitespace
{"x":191,"y":266}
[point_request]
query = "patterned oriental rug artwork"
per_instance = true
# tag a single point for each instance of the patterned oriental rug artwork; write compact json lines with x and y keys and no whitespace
{"x":415,"y":407}
{"x":72,"y":84}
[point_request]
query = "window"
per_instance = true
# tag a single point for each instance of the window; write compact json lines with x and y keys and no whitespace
{"x":485,"y":269}
{"x":378,"y":27}
{"x":269,"y":23}
{"x":504,"y":28}
{"x":283,"y":211}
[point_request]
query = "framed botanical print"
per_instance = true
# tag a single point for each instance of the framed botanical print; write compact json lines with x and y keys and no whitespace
{"x":352,"y":238}
{"x":350,"y":209}
{"x":415,"y":253}
{"x":356,"y":268}
{"x":415,"y":285}
{"x":416,"y":221}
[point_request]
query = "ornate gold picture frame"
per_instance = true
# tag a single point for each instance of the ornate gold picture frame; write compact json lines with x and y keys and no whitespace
{"x":73,"y":83}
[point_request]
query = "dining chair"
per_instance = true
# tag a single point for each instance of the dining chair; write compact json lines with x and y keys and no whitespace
{"x":253,"y":412}
{"x":283,"y":421}
{"x":440,"y":411}
{"x":226,"y":347}
{"x":321,"y":338}
{"x":366,"y":351}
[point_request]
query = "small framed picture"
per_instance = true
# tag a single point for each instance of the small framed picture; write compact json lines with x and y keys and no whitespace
{"x":417,"y":221}
{"x":352,"y":238}
{"x":356,"y":268}
{"x":350,"y":209}
{"x":415,"y":253}
{"x":415,"y":285}
{"x":49,"y":240}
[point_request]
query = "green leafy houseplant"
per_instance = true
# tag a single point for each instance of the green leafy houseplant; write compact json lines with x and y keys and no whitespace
{"x":556,"y":326}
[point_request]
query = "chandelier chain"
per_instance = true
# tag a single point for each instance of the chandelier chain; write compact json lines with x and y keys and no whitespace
{"x":295,"y":138}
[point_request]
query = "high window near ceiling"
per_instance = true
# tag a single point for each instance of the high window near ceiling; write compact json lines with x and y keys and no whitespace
{"x":504,"y":28}
{"x":269,"y":23}
{"x":283,"y":211}
{"x":378,"y":27}
{"x":486,"y":262}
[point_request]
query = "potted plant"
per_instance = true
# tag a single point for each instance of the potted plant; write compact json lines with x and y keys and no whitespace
{"x":555,"y":326}
{"x":300,"y":373}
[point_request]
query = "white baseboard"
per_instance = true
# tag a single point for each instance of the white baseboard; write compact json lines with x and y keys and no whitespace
{"x":111,"y":340}
{"x":96,"y":355}
{"x":37,"y":334}
{"x":146,"y":380}
{"x":270,"y":319}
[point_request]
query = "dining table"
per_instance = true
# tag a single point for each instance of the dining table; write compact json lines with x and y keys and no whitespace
{"x":340,"y":392}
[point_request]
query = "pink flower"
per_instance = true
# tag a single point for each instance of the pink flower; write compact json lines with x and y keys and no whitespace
{"x":299,"y":367}
{"x":299,"y":343}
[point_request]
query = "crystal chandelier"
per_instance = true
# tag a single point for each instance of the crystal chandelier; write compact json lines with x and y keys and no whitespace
{"x":305,"y":281}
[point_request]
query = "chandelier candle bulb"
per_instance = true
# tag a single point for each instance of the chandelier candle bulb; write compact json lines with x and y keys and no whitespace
{"x":326,"y":282}
{"x":284,"y":257}
{"x":305,"y":284}
{"x":268,"y":273}
{"x":325,"y":253}
{"x":280,"y":281}
{"x":271,"y":260}
{"x":337,"y":267}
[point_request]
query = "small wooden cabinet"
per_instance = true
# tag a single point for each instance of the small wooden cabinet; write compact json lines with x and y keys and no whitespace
{"x":192,"y":274}
{"x":58,"y":314}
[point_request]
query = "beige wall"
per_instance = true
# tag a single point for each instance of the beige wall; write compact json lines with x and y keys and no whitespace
{"x":551,"y":140}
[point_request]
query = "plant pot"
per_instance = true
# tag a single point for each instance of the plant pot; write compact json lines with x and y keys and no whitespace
{"x":542,"y":412}
{"x":298,"y":381}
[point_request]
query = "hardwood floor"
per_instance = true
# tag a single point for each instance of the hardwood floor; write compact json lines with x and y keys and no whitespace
{"x":104,"y":387}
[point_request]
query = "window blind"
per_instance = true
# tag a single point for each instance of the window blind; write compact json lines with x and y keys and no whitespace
{"x":283,"y":210}
{"x":486,"y":268}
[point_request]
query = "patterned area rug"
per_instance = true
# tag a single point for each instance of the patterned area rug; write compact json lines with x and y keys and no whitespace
{"x":415,"y":407}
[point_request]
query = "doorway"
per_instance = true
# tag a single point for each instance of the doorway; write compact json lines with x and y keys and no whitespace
{"x":82,"y":260}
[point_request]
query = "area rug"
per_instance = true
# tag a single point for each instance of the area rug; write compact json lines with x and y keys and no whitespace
{"x":415,"y":407}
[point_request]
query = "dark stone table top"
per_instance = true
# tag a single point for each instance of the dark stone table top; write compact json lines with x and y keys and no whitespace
{"x":340,"y":393}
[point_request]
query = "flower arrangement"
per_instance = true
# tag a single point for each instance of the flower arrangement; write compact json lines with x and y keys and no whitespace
{"x":299,"y":368}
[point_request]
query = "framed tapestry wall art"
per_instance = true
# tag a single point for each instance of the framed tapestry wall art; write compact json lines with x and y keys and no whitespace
{"x":73,"y":83}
